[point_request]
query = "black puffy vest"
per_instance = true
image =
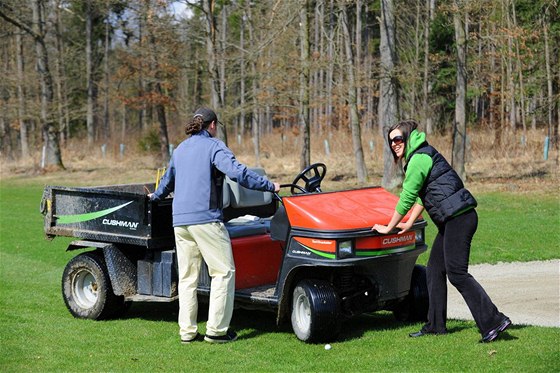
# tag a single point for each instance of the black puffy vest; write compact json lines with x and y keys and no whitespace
{"x":443,"y":193}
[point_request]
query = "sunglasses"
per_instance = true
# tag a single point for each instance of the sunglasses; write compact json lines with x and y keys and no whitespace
{"x":397,"y":140}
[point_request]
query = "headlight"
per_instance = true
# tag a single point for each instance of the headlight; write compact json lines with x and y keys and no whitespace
{"x":345,"y":249}
{"x":419,"y":236}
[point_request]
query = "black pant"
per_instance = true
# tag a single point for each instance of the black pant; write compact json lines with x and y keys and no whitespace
{"x":450,"y":257}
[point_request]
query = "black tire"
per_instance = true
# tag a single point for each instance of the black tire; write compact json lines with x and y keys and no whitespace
{"x":315,"y":311}
{"x":415,"y":306}
{"x":87,"y":291}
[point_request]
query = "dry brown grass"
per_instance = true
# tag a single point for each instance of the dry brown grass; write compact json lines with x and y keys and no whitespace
{"x":509,"y":166}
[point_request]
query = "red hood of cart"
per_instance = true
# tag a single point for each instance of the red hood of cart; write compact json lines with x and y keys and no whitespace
{"x":346,"y":210}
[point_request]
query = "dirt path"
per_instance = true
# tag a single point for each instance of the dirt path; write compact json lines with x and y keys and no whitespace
{"x":529,"y":293}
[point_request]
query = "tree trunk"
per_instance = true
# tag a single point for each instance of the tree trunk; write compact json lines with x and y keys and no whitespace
{"x":492,"y":88}
{"x":242,"y":77}
{"x":254,"y":91}
{"x":106,"y":74}
{"x":213,"y":61}
{"x":550,"y":99}
{"x":388,"y":92}
{"x":62,"y":106}
{"x":162,"y":119}
{"x":318,"y":71}
{"x":6,"y":148}
{"x":427,"y":85}
{"x":22,"y":109}
{"x":330,"y":69}
{"x":519,"y":64}
{"x":358,"y":54}
{"x":509,"y":70}
{"x":142,"y":122}
{"x":90,"y":116}
{"x":159,"y":94}
{"x":222,"y":60}
{"x":49,"y":131}
{"x":304,"y":83}
{"x":361,"y":170}
{"x":460,"y":124}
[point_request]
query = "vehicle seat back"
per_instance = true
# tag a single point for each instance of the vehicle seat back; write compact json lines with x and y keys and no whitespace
{"x":240,"y":196}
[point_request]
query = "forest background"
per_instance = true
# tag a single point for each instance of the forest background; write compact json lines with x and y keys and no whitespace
{"x":116,"y":80}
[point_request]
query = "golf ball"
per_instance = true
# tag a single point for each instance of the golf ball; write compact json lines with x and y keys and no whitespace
{"x":327,"y":347}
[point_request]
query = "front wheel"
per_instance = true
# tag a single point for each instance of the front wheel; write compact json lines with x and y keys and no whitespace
{"x":415,"y":306}
{"x":315,"y":311}
{"x":86,"y":288}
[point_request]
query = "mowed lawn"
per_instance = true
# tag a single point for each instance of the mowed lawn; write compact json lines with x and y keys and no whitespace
{"x":37,"y":333}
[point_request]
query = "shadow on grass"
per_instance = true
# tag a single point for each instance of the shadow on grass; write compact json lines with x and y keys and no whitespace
{"x":259,"y":322}
{"x":152,"y":311}
{"x":254,"y":323}
{"x":262,"y":322}
{"x":355,"y":327}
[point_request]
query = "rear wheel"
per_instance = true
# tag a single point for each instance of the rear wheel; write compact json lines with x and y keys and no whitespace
{"x":87,"y":291}
{"x":315,"y":311}
{"x":415,"y":306}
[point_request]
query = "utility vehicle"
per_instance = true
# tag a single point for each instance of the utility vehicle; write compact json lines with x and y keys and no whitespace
{"x":310,"y":257}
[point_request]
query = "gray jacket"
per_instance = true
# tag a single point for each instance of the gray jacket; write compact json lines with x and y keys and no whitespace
{"x":196,"y":176}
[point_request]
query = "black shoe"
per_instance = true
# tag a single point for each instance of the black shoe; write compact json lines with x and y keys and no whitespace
{"x":193,"y":339}
{"x":230,"y":336}
{"x":422,"y":333}
{"x":494,"y":333}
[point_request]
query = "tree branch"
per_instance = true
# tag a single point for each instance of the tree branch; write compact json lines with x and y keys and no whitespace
{"x":19,"y":24}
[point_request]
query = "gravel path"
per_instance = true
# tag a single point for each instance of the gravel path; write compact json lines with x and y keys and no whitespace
{"x":529,"y":293}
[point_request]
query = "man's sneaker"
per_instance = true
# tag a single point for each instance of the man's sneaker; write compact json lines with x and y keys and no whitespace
{"x":193,"y":339}
{"x":230,"y":336}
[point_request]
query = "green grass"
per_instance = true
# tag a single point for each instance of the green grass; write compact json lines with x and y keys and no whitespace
{"x":513,"y":227}
{"x":37,"y":333}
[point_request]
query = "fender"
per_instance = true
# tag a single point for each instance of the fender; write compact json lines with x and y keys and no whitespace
{"x":293,"y":276}
{"x":122,"y":271}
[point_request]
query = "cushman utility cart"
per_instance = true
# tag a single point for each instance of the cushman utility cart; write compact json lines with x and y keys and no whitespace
{"x":310,"y":257}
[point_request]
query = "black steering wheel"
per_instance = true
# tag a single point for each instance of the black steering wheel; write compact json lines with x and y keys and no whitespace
{"x":293,"y":186}
{"x":312,"y":175}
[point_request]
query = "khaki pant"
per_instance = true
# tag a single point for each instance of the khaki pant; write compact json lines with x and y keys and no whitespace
{"x":209,"y":242}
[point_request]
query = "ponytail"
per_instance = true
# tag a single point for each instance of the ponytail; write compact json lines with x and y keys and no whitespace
{"x":195,"y":126}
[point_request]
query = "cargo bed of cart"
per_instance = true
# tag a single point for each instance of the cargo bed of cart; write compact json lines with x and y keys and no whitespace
{"x":118,"y":214}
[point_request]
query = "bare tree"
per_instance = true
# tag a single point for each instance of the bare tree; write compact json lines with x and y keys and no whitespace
{"x":61,"y":91}
{"x":22,"y":107}
{"x":38,"y":33}
{"x":550,"y":106}
{"x":330,"y":66}
{"x":242,"y":77}
{"x":254,"y":84}
{"x":427,"y":83}
{"x":91,"y":87}
{"x":509,"y":68}
{"x":6,"y":148}
{"x":388,"y":108}
{"x":519,"y":66}
{"x":304,"y":84}
{"x":361,"y":170}
{"x":208,"y":6}
{"x":159,"y":94}
{"x":460,"y":123}
{"x":106,"y":77}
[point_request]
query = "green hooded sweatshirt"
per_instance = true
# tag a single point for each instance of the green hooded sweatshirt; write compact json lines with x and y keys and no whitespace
{"x":418,"y":169}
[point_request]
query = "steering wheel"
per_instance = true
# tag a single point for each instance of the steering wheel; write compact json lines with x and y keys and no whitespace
{"x":302,"y":191}
{"x":312,"y":175}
